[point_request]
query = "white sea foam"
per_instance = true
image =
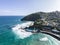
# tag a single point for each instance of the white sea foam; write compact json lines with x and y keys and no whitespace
{"x":20,"y":31}
{"x":44,"y":39}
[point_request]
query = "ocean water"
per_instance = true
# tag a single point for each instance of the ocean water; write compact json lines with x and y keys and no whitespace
{"x":8,"y":37}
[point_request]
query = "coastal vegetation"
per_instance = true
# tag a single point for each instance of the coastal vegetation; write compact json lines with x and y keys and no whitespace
{"x":44,"y":20}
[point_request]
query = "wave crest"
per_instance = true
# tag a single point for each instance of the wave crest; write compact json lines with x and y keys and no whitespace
{"x":20,"y":31}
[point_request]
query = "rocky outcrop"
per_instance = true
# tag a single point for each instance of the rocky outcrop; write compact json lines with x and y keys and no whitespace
{"x":47,"y":18}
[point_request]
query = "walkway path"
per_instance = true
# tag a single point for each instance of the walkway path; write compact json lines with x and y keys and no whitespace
{"x":52,"y":34}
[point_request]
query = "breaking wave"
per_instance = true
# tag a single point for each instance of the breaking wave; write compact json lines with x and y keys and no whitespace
{"x":20,"y":31}
{"x":44,"y":39}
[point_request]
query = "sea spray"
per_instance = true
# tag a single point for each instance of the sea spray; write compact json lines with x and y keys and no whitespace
{"x":20,"y":31}
{"x":22,"y":34}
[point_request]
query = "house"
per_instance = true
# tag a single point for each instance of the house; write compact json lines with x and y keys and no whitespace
{"x":47,"y":28}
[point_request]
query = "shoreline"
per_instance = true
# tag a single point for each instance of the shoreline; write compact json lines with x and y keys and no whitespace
{"x":20,"y":31}
{"x":52,"y":34}
{"x":27,"y":24}
{"x":56,"y":36}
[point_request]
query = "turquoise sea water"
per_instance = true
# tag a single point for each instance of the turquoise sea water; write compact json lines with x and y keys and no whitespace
{"x":7,"y":37}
